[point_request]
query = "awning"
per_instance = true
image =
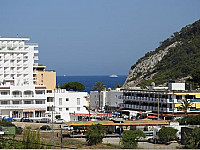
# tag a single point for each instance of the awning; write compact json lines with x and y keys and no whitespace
{"x":193,"y":105}
{"x":181,"y":94}
{"x":28,"y":110}
{"x":178,"y":104}
{"x":152,"y":117}
{"x":198,"y":105}
{"x":91,"y":115}
{"x":32,"y":110}
{"x":197,"y":95}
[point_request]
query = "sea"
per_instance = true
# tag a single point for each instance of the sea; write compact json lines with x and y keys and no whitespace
{"x":89,"y":81}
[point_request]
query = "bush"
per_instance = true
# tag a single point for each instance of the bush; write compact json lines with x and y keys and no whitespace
{"x":95,"y":134}
{"x":166,"y":134}
{"x":193,"y":140}
{"x":130,"y":138}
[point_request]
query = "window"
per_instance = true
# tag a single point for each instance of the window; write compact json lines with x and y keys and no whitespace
{"x":78,"y":108}
{"x":50,"y":99}
{"x":67,"y":99}
{"x":60,"y":101}
{"x":60,"y":109}
{"x":78,"y":101}
{"x":49,"y":108}
{"x":15,"y":102}
{"x":39,"y":102}
{"x":27,"y":102}
{"x":4,"y":102}
{"x":67,"y":109}
{"x":4,"y":93}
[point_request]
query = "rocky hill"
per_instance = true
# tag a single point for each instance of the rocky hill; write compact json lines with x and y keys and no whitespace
{"x":175,"y":59}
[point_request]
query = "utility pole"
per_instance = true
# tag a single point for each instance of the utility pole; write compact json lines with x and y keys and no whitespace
{"x":158,"y":106}
{"x":52,"y":132}
{"x":61,"y":136}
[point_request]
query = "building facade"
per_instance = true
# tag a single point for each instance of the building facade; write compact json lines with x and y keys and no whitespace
{"x":165,"y":100}
{"x":110,"y":99}
{"x":28,"y":90}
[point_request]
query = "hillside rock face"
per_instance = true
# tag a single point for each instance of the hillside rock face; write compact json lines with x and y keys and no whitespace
{"x":138,"y":72}
{"x":177,"y":58}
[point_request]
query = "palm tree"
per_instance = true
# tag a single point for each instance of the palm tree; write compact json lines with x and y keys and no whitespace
{"x":185,"y":105}
{"x":99,"y":86}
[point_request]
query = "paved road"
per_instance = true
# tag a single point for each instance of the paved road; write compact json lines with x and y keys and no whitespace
{"x":144,"y":145}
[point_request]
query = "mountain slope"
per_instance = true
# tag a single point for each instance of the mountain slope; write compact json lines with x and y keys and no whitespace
{"x":175,"y":59}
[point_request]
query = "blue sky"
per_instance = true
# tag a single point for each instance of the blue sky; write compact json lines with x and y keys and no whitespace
{"x":95,"y":37}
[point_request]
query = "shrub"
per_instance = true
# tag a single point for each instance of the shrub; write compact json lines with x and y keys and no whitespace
{"x":95,"y":134}
{"x":193,"y":140}
{"x":166,"y":134}
{"x":130,"y":138}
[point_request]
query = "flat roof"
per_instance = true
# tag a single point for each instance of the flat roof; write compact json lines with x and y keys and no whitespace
{"x":125,"y":123}
{"x":14,"y":39}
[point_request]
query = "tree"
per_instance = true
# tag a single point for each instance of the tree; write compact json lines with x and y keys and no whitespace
{"x":95,"y":134}
{"x":118,"y":86}
{"x":185,"y":105}
{"x":130,"y":138}
{"x":166,"y":134}
{"x":99,"y":86}
{"x":193,"y":140}
{"x":76,"y":86}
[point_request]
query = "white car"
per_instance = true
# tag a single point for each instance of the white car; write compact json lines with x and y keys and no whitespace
{"x":67,"y":128}
{"x":60,"y":121}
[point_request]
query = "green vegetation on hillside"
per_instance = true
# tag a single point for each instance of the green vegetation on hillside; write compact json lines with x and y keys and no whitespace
{"x":181,"y":61}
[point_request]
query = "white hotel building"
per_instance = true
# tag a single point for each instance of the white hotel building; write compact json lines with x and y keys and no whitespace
{"x":21,"y":92}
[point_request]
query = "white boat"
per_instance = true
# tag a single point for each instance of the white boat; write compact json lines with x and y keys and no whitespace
{"x":113,"y":76}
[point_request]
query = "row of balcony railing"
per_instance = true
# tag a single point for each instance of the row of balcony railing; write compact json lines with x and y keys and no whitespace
{"x":141,"y":107}
{"x":147,"y":99}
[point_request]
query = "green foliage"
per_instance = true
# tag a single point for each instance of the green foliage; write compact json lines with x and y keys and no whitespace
{"x":166,"y":134}
{"x":193,"y":140}
{"x":130,"y":138}
{"x":185,"y":105}
{"x":190,"y":120}
{"x":76,"y":86}
{"x":118,"y":86}
{"x":95,"y":134}
{"x":31,"y":140}
{"x":99,"y":86}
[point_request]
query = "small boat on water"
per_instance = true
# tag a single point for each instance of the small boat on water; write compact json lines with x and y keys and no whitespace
{"x":113,"y":76}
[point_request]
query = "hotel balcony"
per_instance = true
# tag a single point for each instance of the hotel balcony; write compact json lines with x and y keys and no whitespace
{"x":35,"y":58}
{"x":35,"y":64}
{"x":32,"y":44}
{"x":36,"y":51}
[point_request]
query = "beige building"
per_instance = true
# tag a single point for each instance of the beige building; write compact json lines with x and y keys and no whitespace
{"x":43,"y":77}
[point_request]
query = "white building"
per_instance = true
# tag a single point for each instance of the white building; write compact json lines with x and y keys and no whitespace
{"x":19,"y":96}
{"x":69,"y":105}
{"x":109,"y":99}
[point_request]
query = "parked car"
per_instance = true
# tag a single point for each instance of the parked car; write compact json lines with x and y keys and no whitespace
{"x":8,"y":119}
{"x":67,"y":128}
{"x":45,"y":127}
{"x":26,"y":120}
{"x":43,"y":120}
{"x":60,"y":121}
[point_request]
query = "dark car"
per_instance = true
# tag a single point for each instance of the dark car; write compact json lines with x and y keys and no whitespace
{"x":26,"y":120}
{"x":43,"y":120}
{"x":45,"y":127}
